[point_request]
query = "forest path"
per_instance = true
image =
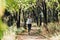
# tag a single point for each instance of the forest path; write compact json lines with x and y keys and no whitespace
{"x":34,"y":35}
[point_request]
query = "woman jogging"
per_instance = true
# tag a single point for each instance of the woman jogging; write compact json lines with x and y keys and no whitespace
{"x":29,"y":23}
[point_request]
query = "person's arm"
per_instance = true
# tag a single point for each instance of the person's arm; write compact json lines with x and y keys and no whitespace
{"x":27,"y":21}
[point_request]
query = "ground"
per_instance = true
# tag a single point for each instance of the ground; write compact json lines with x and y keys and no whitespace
{"x":34,"y":35}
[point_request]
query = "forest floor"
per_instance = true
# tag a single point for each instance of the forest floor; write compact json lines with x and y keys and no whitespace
{"x":34,"y":35}
{"x":38,"y":33}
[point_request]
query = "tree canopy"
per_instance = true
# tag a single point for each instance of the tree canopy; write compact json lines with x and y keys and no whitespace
{"x":15,"y":5}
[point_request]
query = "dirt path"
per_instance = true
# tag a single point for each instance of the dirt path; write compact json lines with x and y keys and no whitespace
{"x":33,"y":35}
{"x":27,"y":37}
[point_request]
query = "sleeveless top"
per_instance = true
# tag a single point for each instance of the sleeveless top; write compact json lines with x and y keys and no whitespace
{"x":29,"y":21}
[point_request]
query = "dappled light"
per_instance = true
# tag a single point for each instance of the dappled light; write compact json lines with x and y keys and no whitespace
{"x":29,"y":19}
{"x":2,"y":7}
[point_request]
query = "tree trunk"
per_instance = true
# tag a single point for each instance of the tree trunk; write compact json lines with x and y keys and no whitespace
{"x":55,"y":15}
{"x":24,"y":18}
{"x":45,"y":15}
{"x":18,"y":19}
{"x":44,"y":12}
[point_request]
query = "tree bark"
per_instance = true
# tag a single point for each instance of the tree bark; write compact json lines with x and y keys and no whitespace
{"x":45,"y":15}
{"x":18,"y":19}
{"x":24,"y":18}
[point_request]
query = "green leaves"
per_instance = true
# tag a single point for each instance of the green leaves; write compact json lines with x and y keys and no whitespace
{"x":59,"y":1}
{"x":1,"y":34}
{"x":17,"y":4}
{"x":3,"y":28}
{"x":52,"y":3}
{"x":12,"y":5}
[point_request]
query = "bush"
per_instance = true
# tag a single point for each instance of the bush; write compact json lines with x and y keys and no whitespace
{"x":3,"y":28}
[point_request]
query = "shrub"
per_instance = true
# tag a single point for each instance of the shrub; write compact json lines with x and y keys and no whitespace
{"x":3,"y":27}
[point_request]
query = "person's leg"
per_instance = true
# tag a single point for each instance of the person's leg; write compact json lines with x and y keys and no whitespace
{"x":29,"y":28}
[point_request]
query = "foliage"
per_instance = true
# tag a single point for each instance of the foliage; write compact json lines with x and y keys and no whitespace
{"x":15,"y":5}
{"x":2,"y":7}
{"x":12,"y":5}
{"x":59,"y":1}
{"x":3,"y":28}
{"x":52,"y":3}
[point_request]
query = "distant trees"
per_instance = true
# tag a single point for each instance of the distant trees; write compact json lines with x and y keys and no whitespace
{"x":15,"y":8}
{"x":41,"y":10}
